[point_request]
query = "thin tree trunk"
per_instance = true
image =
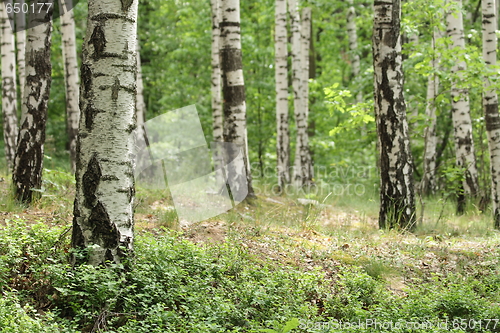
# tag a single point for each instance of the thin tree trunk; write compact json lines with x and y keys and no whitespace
{"x":302,"y":162}
{"x":464,"y":143}
{"x":397,"y":198}
{"x":490,"y":103}
{"x":352,"y":33}
{"x":428,"y":184}
{"x":216,"y":74}
{"x":21,"y":46}
{"x":233,"y":90}
{"x":71,"y":77}
{"x":281,"y":75}
{"x":9,"y":89}
{"x":103,"y":220}
{"x":28,"y":163}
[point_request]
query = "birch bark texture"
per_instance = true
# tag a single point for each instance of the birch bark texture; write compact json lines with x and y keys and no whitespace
{"x":9,"y":87}
{"x":302,"y":162}
{"x":397,"y":197}
{"x":281,"y":77}
{"x":140,"y":106}
{"x":71,"y":77}
{"x":462,"y":124}
{"x":490,"y":103}
{"x":103,"y":212}
{"x":233,"y":91}
{"x":352,"y":33}
{"x":21,"y":46}
{"x":217,"y":116}
{"x":428,"y":183}
{"x":28,"y":163}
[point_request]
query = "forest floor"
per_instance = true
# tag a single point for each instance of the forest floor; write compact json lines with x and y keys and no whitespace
{"x":329,"y":236}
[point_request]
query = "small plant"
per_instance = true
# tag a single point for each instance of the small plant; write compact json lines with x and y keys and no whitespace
{"x":288,"y":327}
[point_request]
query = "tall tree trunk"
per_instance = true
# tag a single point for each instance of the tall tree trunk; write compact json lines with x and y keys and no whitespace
{"x":233,"y":90}
{"x":28,"y":163}
{"x":490,"y":103}
{"x":71,"y":78}
{"x":302,"y":162}
{"x":140,"y":106}
{"x":216,"y":74}
{"x":464,"y":143}
{"x":103,"y":219}
{"x":281,"y":75}
{"x":397,"y":197}
{"x":9,"y":89}
{"x":428,"y":184}
{"x":21,"y":46}
{"x":352,"y":33}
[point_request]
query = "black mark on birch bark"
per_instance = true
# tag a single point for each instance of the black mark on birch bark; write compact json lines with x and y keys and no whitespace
{"x":90,"y":182}
{"x":104,"y":231}
{"x":98,"y":40}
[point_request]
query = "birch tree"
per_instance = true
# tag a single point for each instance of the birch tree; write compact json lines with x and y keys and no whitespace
{"x":233,"y":90}
{"x":216,"y":74}
{"x":397,"y":198}
{"x":21,"y":46}
{"x":352,"y":33}
{"x":428,"y":184}
{"x":103,"y":212}
{"x":71,"y":78}
{"x":28,"y":163}
{"x":281,"y":76}
{"x":464,"y":143}
{"x":490,"y":103}
{"x":9,"y":88}
{"x":140,"y":104}
{"x":302,"y":162}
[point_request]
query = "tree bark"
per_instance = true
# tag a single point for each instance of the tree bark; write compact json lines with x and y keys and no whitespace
{"x":233,"y":90}
{"x":21,"y":46}
{"x":28,"y":163}
{"x":490,"y":103}
{"x":140,"y":103}
{"x":397,"y":198}
{"x":9,"y":88}
{"x":428,"y":184}
{"x":281,"y":75}
{"x":352,"y":33}
{"x":302,"y":163}
{"x":464,"y":143}
{"x":216,"y":74}
{"x":71,"y":77}
{"x":103,"y":213}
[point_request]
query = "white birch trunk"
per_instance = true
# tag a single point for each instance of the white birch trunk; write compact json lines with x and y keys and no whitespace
{"x":428,"y":184}
{"x":71,"y":77}
{"x":281,"y":76}
{"x":9,"y":88}
{"x":303,"y":164}
{"x":28,"y":163}
{"x":21,"y":46}
{"x":216,"y":74}
{"x":103,"y":214}
{"x":140,"y":103}
{"x":352,"y":33}
{"x":233,"y":89}
{"x":464,"y":143}
{"x":397,"y":198}
{"x":490,"y":103}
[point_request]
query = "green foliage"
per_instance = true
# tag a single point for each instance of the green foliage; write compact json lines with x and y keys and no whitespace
{"x":172,"y":285}
{"x":360,"y":113}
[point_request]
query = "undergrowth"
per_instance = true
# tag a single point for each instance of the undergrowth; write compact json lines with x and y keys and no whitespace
{"x":176,"y":286}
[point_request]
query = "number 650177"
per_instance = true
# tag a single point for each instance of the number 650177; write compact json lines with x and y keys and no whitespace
{"x":26,"y":8}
